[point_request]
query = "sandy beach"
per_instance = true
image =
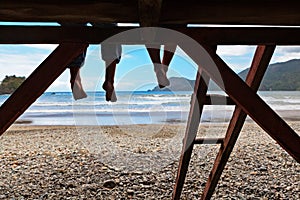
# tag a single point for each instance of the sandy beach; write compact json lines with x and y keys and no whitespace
{"x":139,"y":162}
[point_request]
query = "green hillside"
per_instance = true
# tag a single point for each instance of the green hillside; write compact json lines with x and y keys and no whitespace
{"x":280,"y":76}
{"x":10,"y":84}
{"x":283,"y":76}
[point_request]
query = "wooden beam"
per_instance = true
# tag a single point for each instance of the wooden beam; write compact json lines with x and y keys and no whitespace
{"x":243,"y":35}
{"x":255,"y":75}
{"x":56,"y":34}
{"x":195,"y":113}
{"x":40,"y":79}
{"x":215,"y":99}
{"x":69,"y":11}
{"x":209,"y":141}
{"x":95,"y":35}
{"x":149,"y":12}
{"x":275,"y":12}
{"x":247,"y":12}
{"x":250,"y":102}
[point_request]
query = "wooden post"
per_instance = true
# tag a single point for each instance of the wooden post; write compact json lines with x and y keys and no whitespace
{"x":197,"y":104}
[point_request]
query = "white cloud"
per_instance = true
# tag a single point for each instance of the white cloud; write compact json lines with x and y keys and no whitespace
{"x":49,"y":47}
{"x":20,"y":61}
{"x":19,"y":64}
{"x":288,"y":49}
{"x":285,"y":53}
{"x":127,"y":56}
{"x":236,"y":50}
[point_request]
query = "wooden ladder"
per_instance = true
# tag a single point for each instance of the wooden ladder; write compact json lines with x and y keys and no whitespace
{"x":200,"y":98}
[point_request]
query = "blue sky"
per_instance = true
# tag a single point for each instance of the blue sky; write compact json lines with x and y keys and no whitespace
{"x":134,"y":72}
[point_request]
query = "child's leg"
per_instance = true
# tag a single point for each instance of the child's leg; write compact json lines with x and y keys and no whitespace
{"x":169,"y":51}
{"x":108,"y":84}
{"x":76,"y":86}
{"x":154,"y":53}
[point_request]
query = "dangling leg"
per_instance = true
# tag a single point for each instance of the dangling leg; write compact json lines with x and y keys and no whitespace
{"x":169,"y":51}
{"x":108,"y":84}
{"x":76,"y":86}
{"x":154,"y":53}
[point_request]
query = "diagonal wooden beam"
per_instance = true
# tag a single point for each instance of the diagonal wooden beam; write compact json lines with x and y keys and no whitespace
{"x":250,"y":102}
{"x":40,"y":79}
{"x":255,"y":75}
{"x":197,"y":104}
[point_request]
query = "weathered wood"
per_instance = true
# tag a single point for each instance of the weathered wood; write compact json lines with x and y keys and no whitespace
{"x":95,"y":35}
{"x":255,"y":75}
{"x":149,"y":12}
{"x":69,"y":11}
{"x":209,"y":141}
{"x":34,"y":86}
{"x":173,"y":12}
{"x":196,"y":108}
{"x":251,"y":103}
{"x":214,"y":99}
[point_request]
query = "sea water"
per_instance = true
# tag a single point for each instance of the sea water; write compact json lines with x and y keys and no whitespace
{"x":138,"y":107}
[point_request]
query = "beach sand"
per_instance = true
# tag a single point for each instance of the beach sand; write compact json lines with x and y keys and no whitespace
{"x":139,"y":162}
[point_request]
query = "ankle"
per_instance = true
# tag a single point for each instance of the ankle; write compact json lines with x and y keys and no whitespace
{"x":108,"y":85}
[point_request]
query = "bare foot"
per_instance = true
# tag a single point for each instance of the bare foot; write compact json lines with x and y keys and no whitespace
{"x":161,"y":75}
{"x":77,"y":90}
{"x":110,"y":91}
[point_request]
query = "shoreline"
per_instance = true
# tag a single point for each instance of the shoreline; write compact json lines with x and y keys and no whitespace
{"x":287,"y":115}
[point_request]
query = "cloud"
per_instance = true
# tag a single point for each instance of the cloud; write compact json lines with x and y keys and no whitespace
{"x":285,"y":53}
{"x":49,"y":47}
{"x":19,"y":64}
{"x":288,"y":49}
{"x":236,"y":50}
{"x":20,"y":60}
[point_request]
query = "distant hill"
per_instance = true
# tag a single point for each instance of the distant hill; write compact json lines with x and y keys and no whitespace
{"x":280,"y":76}
{"x":10,"y":84}
{"x":283,"y":76}
{"x":177,"y":84}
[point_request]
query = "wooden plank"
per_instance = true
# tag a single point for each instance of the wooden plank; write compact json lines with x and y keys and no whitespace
{"x":56,"y":34}
{"x":250,"y":102}
{"x":149,"y":12}
{"x":69,"y":11}
{"x":232,"y":12}
{"x":243,"y":35}
{"x":95,"y":35}
{"x":258,"y":68}
{"x":209,"y":141}
{"x":173,"y":12}
{"x":214,"y":99}
{"x":34,"y":86}
{"x":196,"y":108}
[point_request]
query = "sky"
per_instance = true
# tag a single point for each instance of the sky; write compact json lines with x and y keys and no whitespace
{"x":135,"y":70}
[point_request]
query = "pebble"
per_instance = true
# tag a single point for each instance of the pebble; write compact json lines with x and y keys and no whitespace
{"x":110,"y":184}
{"x":63,"y":168}
{"x":130,"y":192}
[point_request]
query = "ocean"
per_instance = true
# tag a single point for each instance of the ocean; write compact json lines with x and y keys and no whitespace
{"x":139,"y":107}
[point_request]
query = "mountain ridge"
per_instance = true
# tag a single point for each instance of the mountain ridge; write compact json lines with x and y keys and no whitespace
{"x":281,"y":76}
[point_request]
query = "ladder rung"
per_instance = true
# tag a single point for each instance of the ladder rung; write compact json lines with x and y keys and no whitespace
{"x":208,"y":140}
{"x":215,"y":99}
